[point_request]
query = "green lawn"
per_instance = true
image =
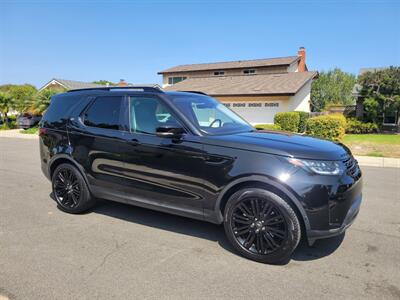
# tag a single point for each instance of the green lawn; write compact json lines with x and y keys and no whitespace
{"x":379,"y":145}
{"x":393,"y":139}
{"x":32,"y":130}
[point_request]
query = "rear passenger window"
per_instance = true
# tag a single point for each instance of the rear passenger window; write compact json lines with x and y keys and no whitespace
{"x":105,"y":112}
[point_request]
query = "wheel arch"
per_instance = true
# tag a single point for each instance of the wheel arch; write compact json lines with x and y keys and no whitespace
{"x":268,"y":184}
{"x":63,"y":158}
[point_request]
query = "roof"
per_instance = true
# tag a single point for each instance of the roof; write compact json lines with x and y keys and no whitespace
{"x":77,"y":85}
{"x":268,"y":84}
{"x":71,"y":84}
{"x":266,"y":62}
{"x":365,"y":70}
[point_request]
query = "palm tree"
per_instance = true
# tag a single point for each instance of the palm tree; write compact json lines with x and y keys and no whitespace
{"x":42,"y":101}
{"x":6,"y":104}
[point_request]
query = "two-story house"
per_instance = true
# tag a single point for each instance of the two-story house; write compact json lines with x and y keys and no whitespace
{"x":255,"y":89}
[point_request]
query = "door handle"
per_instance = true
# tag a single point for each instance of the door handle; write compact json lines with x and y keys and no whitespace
{"x":134,"y":142}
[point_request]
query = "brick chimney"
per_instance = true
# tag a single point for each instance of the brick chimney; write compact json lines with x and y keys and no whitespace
{"x":302,"y":62}
{"x":122,"y":82}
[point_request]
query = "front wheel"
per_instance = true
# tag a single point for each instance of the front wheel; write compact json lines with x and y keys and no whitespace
{"x":261,"y":226}
{"x":70,"y":190}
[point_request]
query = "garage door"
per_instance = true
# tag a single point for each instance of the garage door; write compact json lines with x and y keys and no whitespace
{"x":257,"y":112}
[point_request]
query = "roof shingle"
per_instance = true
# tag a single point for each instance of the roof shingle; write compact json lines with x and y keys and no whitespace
{"x":268,"y":84}
{"x":267,"y":62}
{"x":73,"y":84}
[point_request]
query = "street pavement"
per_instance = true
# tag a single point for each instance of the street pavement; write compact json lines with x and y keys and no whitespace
{"x":125,"y":252}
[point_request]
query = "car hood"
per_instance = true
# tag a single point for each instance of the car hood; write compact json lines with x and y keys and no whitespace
{"x":282,"y":143}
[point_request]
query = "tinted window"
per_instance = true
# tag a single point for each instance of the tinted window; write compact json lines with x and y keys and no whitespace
{"x":60,"y":108}
{"x":105,"y":112}
{"x":146,"y":114}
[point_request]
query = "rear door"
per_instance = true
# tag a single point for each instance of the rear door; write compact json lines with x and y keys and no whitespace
{"x":98,"y":144}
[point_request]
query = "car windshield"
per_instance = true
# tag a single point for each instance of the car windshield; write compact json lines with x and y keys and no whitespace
{"x":209,"y":115}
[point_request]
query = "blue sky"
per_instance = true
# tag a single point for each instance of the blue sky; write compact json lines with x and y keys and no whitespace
{"x":91,"y":40}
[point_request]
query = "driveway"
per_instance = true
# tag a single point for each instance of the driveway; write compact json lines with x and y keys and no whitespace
{"x":119,"y":251}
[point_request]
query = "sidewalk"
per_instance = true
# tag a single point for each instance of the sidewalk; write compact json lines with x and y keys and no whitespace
{"x":14,"y":133}
{"x":368,"y":161}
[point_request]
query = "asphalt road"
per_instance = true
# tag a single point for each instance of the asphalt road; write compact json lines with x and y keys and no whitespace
{"x":125,"y":252}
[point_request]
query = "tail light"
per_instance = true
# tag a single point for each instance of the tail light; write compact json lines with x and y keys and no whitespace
{"x":42,"y":131}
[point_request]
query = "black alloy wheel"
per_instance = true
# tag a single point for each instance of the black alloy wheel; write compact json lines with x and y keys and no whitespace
{"x":70,"y":189}
{"x":258,"y":225}
{"x":67,"y":188}
{"x":261,"y":225}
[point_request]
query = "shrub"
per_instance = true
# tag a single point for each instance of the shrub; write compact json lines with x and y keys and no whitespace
{"x":303,"y":118}
{"x":267,"y":126}
{"x":355,"y":126}
{"x":331,"y":127}
{"x":288,"y":121}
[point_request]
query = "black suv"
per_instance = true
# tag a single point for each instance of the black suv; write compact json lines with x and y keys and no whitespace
{"x":187,"y":154}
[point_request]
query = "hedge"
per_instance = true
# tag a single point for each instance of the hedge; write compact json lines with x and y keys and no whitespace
{"x":267,"y":126}
{"x":303,"y":119}
{"x":331,"y":127}
{"x":355,"y":126}
{"x":288,"y":121}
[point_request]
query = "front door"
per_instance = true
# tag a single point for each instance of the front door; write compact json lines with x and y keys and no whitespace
{"x":162,"y":172}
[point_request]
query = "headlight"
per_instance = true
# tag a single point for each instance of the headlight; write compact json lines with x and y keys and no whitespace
{"x":319,"y":167}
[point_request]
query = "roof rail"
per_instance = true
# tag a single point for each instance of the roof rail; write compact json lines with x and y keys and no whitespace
{"x":153,"y":89}
{"x":194,"y":92}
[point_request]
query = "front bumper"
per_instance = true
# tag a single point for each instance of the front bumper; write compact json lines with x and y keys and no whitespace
{"x":313,"y":235}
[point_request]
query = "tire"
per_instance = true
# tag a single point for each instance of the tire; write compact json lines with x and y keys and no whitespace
{"x":70,"y":190}
{"x":261,"y":226}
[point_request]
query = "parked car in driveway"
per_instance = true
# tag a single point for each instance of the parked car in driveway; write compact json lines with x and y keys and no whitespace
{"x":27,"y":120}
{"x":187,"y":154}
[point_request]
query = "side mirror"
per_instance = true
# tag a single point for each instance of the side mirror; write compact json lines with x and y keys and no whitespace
{"x":167,"y":131}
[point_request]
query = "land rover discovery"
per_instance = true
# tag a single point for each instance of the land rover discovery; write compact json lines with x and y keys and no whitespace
{"x":187,"y":154}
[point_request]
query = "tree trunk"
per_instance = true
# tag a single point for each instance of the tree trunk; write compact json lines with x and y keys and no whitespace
{"x":6,"y":118}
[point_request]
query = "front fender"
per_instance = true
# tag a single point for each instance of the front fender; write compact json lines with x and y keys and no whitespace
{"x":266,"y":180}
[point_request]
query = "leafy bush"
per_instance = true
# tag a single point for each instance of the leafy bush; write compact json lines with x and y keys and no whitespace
{"x":371,"y":109}
{"x":331,"y":127}
{"x":355,"y":126}
{"x":288,"y":121}
{"x":267,"y":126}
{"x":32,"y":130}
{"x":303,"y":118}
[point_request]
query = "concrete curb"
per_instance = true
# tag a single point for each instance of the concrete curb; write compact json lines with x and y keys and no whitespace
{"x":383,"y":162}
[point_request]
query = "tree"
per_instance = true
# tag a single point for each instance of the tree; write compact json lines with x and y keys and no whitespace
{"x":381,"y":93}
{"x":332,"y":88}
{"x":6,"y":104}
{"x":22,"y":96}
{"x":104,"y":82}
{"x":42,"y":101}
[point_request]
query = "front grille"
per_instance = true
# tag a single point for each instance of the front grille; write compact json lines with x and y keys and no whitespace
{"x":352,"y":167}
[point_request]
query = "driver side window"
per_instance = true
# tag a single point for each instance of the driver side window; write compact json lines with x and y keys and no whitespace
{"x":147,"y":114}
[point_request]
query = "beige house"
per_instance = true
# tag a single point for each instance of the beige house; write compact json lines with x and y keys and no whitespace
{"x":255,"y":89}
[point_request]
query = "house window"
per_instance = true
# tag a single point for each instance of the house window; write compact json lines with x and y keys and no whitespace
{"x":219,"y":73}
{"x":249,"y":72}
{"x":173,"y":80}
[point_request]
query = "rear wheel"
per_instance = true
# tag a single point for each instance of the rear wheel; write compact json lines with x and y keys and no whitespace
{"x":261,"y":225}
{"x":70,"y":190}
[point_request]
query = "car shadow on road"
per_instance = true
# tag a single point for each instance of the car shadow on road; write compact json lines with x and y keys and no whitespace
{"x":203,"y":230}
